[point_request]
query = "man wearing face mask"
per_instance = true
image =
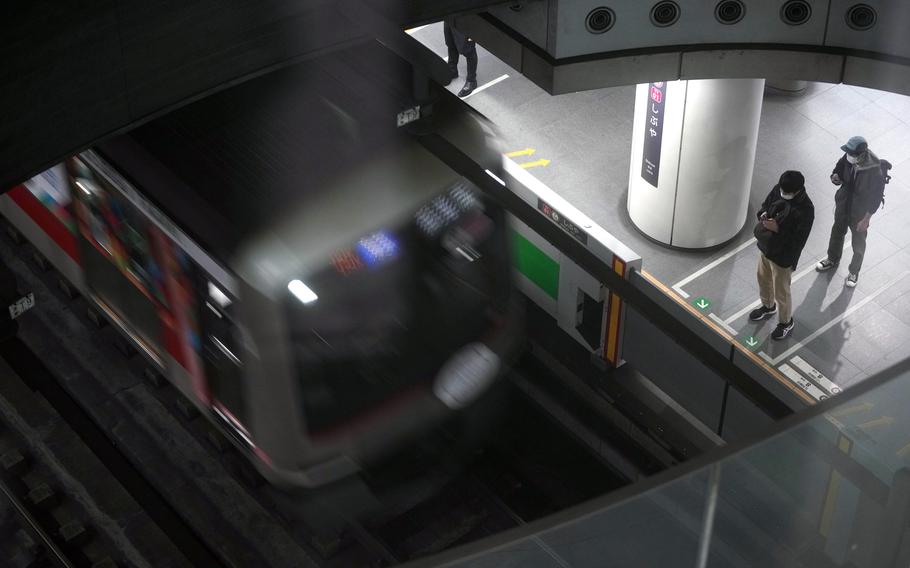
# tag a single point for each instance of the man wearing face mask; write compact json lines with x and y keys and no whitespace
{"x":862,"y":185}
{"x":785,"y":221}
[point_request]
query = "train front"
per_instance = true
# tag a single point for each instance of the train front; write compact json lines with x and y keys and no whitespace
{"x":399,"y":314}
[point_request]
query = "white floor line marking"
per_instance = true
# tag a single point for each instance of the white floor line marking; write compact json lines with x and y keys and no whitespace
{"x":802,"y":382}
{"x":799,"y":345}
{"x":716,"y":319}
{"x":413,"y":31}
{"x":796,"y":277}
{"x":816,"y":375}
{"x":678,"y":286}
{"x":487,"y":85}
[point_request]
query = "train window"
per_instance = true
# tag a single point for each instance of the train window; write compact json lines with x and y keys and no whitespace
{"x":99,"y":229}
{"x":117,"y":258}
{"x":132,"y":231}
{"x":218,"y":296}
{"x":395,"y":305}
{"x":92,"y":198}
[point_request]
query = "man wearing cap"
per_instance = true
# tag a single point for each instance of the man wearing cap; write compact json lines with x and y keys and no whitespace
{"x":785,"y":221}
{"x":862,"y":185}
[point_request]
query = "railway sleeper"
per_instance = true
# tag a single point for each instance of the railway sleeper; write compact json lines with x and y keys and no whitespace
{"x":68,"y":290}
{"x":153,"y":377}
{"x":216,"y":439}
{"x":241,"y":469}
{"x":95,"y":317}
{"x":186,"y":408}
{"x":14,"y":463}
{"x":124,"y":346}
{"x":74,"y":534}
{"x":327,"y":544}
{"x":39,"y":260}
{"x":43,"y":497}
{"x":14,"y":235}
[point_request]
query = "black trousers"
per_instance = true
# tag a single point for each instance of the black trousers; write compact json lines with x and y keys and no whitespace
{"x":839,"y":231}
{"x":466,"y":47}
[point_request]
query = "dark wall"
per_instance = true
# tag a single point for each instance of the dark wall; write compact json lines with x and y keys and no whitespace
{"x":75,"y":71}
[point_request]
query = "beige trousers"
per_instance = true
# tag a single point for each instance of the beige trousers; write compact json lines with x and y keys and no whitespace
{"x":774,"y":287}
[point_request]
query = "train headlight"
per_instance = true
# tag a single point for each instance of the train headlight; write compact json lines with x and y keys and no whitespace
{"x":302,"y":292}
{"x":466,"y":375}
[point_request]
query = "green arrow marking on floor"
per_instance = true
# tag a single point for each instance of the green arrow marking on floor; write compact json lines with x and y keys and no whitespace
{"x":751,"y":342}
{"x":702,"y":303}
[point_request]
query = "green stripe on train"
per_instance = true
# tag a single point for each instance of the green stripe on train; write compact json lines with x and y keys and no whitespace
{"x":535,"y":265}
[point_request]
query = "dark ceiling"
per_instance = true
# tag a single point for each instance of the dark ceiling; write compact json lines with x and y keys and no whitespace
{"x":77,"y":71}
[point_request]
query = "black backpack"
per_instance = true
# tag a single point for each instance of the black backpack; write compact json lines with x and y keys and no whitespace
{"x":779,"y":210}
{"x":886,"y":167}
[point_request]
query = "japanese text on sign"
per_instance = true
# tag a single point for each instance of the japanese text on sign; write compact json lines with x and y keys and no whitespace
{"x":560,"y":219}
{"x":654,"y":126}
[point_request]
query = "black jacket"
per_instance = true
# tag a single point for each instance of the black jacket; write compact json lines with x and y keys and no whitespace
{"x":785,"y":246}
{"x":863,"y":185}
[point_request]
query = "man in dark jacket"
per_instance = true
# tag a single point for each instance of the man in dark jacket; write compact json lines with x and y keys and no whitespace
{"x":458,"y":43}
{"x":786,"y":217}
{"x":862,"y":185}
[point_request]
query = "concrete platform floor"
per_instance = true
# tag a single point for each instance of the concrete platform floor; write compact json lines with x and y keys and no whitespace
{"x":844,"y":334}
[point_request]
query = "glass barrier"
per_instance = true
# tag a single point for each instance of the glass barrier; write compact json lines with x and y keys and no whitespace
{"x":830,"y":488}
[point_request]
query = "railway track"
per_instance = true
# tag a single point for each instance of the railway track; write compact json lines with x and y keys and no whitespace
{"x":528,"y":468}
{"x":25,"y":541}
{"x":28,"y":368}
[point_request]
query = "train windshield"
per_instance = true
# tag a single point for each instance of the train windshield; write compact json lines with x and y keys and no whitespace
{"x":385,"y":313}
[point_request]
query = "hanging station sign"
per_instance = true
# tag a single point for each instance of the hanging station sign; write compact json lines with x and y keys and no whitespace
{"x":654,"y":127}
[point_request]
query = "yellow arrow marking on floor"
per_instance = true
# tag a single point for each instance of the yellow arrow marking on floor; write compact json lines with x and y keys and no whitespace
{"x":535,"y":163}
{"x":525,"y":152}
{"x":883,"y":421}
{"x":852,"y":409}
{"x":903,"y":451}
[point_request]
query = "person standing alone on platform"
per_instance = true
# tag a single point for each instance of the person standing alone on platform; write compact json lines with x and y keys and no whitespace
{"x":861,"y":183}
{"x":784,"y":223}
{"x":458,"y":43}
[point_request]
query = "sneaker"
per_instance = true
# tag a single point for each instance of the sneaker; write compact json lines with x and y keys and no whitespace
{"x":825,"y":265}
{"x":851,"y":280}
{"x":761,"y":312}
{"x":468,"y":88}
{"x":783,"y":330}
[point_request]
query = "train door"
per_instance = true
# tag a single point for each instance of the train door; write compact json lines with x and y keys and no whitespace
{"x":120,"y":266}
{"x":222,"y":348}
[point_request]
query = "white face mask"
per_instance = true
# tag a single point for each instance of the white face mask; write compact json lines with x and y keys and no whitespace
{"x":852,"y":159}
{"x":787,"y":196}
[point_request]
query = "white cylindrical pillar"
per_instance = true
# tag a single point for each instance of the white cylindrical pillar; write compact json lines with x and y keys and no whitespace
{"x":693,"y":150}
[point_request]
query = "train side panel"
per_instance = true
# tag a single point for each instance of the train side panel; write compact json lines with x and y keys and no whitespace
{"x":43,"y":212}
{"x":39,"y":210}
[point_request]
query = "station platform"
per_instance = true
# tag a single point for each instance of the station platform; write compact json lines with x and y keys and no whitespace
{"x":579,"y":145}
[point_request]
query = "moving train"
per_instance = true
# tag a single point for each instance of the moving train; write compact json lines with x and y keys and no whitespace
{"x":323,"y":287}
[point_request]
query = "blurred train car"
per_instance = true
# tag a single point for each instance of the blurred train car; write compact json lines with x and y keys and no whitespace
{"x":323,"y":287}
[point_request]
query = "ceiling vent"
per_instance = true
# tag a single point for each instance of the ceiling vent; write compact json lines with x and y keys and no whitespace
{"x":861,"y":17}
{"x":600,"y":20}
{"x":795,"y":12}
{"x":729,"y":12}
{"x":664,"y":14}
